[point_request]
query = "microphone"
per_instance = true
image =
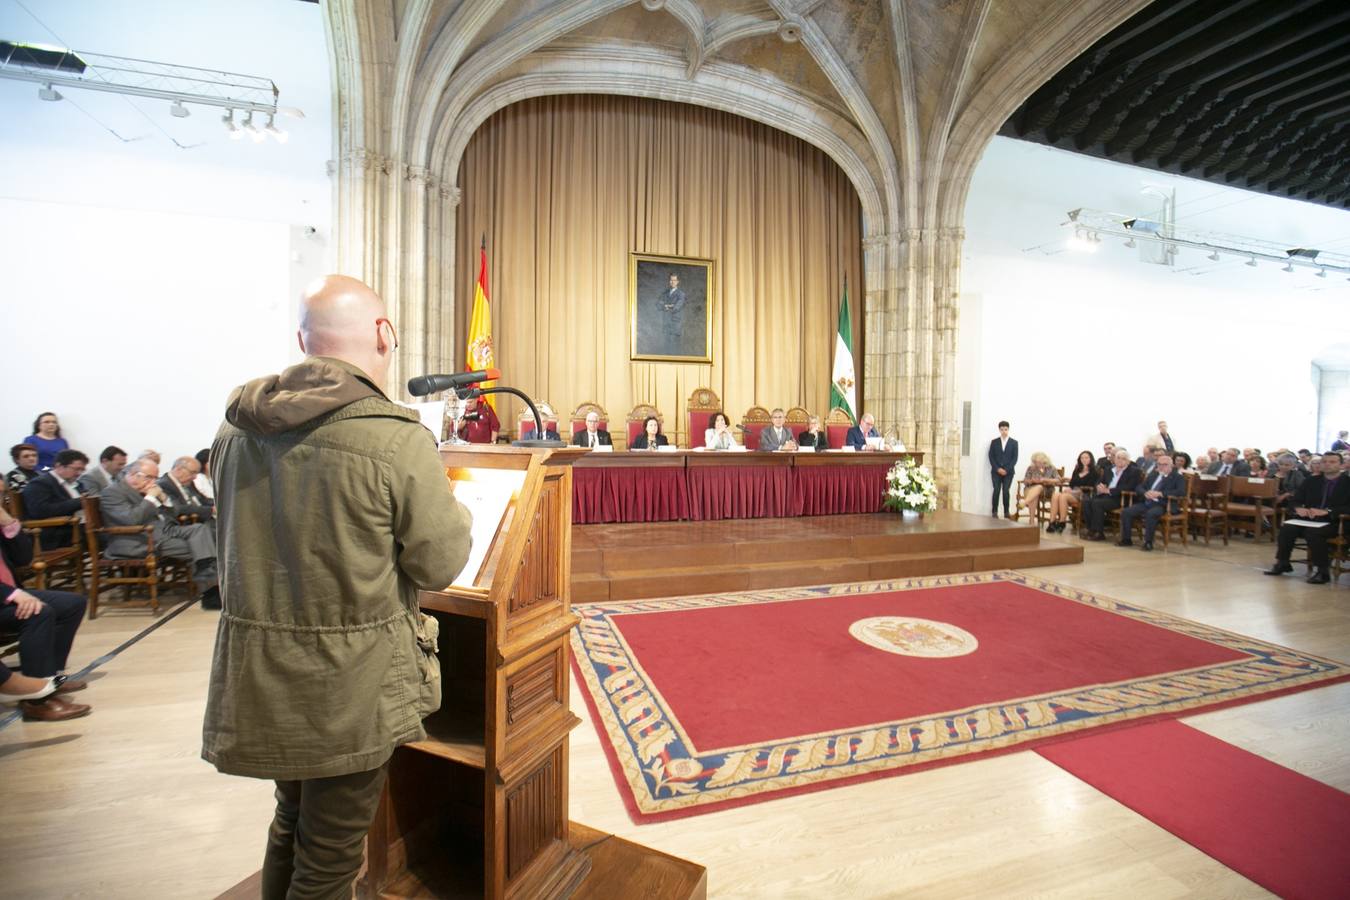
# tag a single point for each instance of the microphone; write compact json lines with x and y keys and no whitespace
{"x":432,"y":384}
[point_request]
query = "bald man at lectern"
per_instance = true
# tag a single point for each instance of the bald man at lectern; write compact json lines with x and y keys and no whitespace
{"x":333,"y":509}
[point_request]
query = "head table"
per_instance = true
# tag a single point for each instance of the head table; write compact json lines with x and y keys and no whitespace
{"x":647,"y":486}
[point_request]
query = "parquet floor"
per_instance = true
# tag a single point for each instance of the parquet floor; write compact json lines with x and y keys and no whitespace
{"x":120,"y":805}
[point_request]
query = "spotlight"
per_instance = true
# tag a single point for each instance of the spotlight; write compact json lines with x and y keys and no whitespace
{"x":178,"y":110}
{"x":1288,"y":267}
{"x":272,"y":129}
{"x":233,"y":129}
{"x":1082,"y":242}
{"x":1172,"y":250}
{"x":1251,"y":262}
{"x":49,"y":93}
{"x":1214,"y":256}
{"x":253,"y":130}
{"x":1321,"y":273}
{"x":1131,"y":244}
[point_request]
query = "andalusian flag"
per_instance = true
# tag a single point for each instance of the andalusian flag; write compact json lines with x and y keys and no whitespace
{"x":479,"y":354}
{"x":843,"y":389}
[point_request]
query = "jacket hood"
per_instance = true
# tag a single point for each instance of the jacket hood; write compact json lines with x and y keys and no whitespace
{"x":301,"y":394}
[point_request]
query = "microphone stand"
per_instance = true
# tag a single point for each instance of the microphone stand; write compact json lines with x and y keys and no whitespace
{"x":534,"y":411}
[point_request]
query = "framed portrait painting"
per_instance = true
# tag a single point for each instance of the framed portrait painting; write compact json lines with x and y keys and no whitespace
{"x":670,"y":302}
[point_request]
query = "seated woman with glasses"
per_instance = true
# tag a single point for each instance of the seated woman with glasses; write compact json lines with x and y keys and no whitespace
{"x":651,"y":436}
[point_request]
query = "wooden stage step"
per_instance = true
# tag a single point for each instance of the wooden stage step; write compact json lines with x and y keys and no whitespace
{"x":666,"y":559}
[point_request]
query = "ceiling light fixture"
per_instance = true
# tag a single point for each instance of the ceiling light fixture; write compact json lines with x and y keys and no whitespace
{"x":49,"y":93}
{"x":1251,"y":262}
{"x":1288,"y":267}
{"x":272,"y":129}
{"x":233,"y":129}
{"x":253,"y":130}
{"x":1214,"y":256}
{"x":1129,"y":242}
{"x":178,"y":110}
{"x":1321,"y":273}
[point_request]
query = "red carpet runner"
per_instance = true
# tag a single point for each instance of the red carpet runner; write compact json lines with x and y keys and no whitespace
{"x":1285,"y":831}
{"x":706,"y":702}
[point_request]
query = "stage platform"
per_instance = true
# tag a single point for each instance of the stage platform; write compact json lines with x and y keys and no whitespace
{"x":668,"y":559}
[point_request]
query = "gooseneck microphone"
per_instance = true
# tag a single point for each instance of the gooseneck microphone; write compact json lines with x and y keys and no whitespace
{"x":434,"y":384}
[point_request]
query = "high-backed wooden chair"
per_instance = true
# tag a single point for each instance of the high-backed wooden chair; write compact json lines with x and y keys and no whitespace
{"x":55,"y":568}
{"x":525,"y":424}
{"x":581,"y":412}
{"x":1172,"y":522}
{"x":698,"y":410}
{"x":1336,"y":550}
{"x":756,"y":419}
{"x":148,"y":571}
{"x":837,"y":424}
{"x":1042,"y":502}
{"x":1253,"y":500}
{"x":639,"y":415}
{"x":1209,"y":504}
{"x":797,"y":419}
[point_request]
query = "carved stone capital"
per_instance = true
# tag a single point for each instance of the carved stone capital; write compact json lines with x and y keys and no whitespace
{"x":451,"y":194}
{"x":790,"y":30}
{"x":653,"y":5}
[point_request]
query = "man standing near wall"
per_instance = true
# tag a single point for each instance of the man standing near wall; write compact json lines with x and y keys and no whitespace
{"x":1002,"y":465}
{"x":333,"y":509}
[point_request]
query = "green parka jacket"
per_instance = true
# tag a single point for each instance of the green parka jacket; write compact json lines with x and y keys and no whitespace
{"x":332,"y":510}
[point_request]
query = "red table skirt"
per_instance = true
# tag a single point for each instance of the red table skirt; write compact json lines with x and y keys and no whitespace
{"x":638,"y":494}
{"x":740,"y":492}
{"x":832,"y":490}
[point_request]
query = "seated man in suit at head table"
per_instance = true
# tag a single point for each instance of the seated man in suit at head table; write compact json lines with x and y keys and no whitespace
{"x":777,"y":436}
{"x":814,"y":435}
{"x":592,"y":435}
{"x":866,"y":428}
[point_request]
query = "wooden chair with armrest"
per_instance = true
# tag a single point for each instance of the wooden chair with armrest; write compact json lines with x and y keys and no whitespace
{"x":633,"y":421}
{"x":147,"y":571}
{"x":579,"y":418}
{"x":1209,"y":504}
{"x":698,"y":411}
{"x":1336,"y":550}
{"x":837,"y":424}
{"x":797,"y":419}
{"x":1042,"y":502}
{"x":55,"y":568}
{"x":756,"y":419}
{"x":1253,"y":500}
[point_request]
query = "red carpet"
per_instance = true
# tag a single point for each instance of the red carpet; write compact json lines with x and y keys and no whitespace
{"x":705,"y":702}
{"x":1285,"y":831}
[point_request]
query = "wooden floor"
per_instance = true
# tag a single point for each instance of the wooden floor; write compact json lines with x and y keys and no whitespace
{"x":120,"y":805}
{"x":638,"y":562}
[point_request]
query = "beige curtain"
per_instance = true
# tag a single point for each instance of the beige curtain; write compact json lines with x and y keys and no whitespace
{"x":565,"y":187}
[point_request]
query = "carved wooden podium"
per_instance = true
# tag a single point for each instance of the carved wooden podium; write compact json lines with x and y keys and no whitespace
{"x":479,"y":808}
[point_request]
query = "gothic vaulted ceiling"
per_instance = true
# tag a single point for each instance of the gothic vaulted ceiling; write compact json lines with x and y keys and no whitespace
{"x":1250,"y":93}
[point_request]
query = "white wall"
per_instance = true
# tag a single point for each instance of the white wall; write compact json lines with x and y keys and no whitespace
{"x":1074,"y":350}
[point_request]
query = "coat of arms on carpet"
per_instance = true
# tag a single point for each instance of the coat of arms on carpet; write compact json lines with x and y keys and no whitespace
{"x":705,"y":702}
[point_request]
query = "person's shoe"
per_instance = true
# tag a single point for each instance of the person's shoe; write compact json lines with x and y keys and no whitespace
{"x":1148,"y":545}
{"x":1321,"y":576}
{"x":53,"y":709}
{"x":1279,"y":568}
{"x":1125,"y":542}
{"x":67,"y":685}
{"x":46,"y":690}
{"x":211,"y":598}
{"x":1094,"y":536}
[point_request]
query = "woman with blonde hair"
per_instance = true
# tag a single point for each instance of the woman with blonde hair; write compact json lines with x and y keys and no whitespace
{"x":1040,"y":478}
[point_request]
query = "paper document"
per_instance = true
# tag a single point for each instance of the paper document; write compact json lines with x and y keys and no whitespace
{"x":1306,"y":523}
{"x":487,"y":499}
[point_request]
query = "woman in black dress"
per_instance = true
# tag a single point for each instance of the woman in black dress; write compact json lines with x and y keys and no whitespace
{"x":1084,"y":479}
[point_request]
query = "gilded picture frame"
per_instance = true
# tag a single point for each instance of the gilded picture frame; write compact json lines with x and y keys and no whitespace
{"x":670,"y":308}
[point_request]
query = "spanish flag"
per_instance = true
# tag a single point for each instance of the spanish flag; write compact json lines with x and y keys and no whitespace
{"x":479,"y":354}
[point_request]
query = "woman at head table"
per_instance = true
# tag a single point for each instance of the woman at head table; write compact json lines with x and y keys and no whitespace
{"x":718,"y":437}
{"x":651,"y":436}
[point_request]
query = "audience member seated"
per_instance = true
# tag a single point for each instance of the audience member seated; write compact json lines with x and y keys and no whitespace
{"x":1121,"y":477}
{"x":651,"y":436}
{"x":1041,"y":477}
{"x":1083,"y":479}
{"x":1291,"y":479}
{"x":1258,"y":465}
{"x":136,"y":499}
{"x":1250,"y":454}
{"x":1304,"y":456}
{"x":1149,"y":461}
{"x":152,"y":455}
{"x":1230,"y":464}
{"x":1341,"y":444}
{"x":777,"y":436}
{"x":858,"y":434}
{"x":203,"y":482}
{"x":592,"y":435}
{"x":1181,"y":461}
{"x":814,"y":435}
{"x":56,"y":493}
{"x":1161,"y":491}
{"x":1321,"y":498}
{"x":480,"y":425}
{"x":25,"y":469}
{"x":1108,"y":457}
{"x":46,"y":622}
{"x":1202,"y":464}
{"x":719,"y":437}
{"x":111,"y":461}
{"x":46,"y":437}
{"x":182,"y":494}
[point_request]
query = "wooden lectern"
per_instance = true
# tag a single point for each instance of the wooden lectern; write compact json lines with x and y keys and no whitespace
{"x":479,"y":808}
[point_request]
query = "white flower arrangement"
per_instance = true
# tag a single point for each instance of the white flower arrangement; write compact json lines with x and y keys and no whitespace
{"x":910,"y":487}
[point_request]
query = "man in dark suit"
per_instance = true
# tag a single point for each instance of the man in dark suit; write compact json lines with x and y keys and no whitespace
{"x":857,"y":435}
{"x":110,"y":462}
{"x":56,"y":494}
{"x":1161,"y":489}
{"x":1002,"y":466}
{"x":592,"y":435}
{"x":777,"y":436}
{"x":1321,"y":498}
{"x":182,"y":494}
{"x":672,"y":304}
{"x":1121,"y":477}
{"x":1230,"y":464}
{"x":136,"y":499}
